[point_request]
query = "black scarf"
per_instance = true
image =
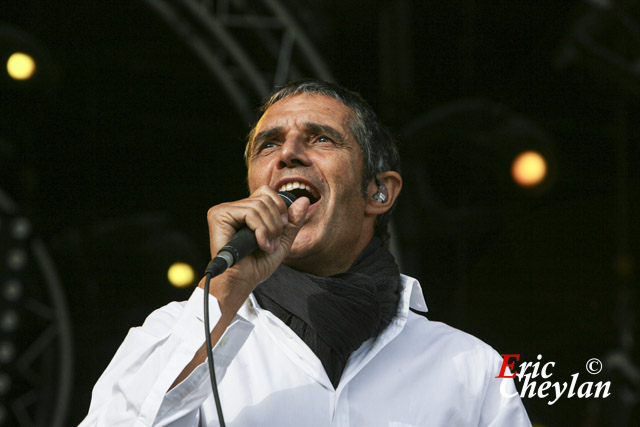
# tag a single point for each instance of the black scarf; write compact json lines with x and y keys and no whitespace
{"x":334,"y":315}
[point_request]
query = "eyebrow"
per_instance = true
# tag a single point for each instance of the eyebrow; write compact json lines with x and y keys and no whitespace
{"x":325,"y":129}
{"x":315,"y":128}
{"x":266,"y":134}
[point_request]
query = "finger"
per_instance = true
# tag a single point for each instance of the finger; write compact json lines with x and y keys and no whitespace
{"x":260,"y":265}
{"x":269,"y":212}
{"x":257,"y":223}
{"x":222,"y":226}
{"x":298,"y":211}
{"x":278,"y":209}
{"x":297,"y":215}
{"x":264,"y":212}
{"x":261,"y":213}
{"x":278,"y":202}
{"x":265,"y":190}
{"x":226,"y":219}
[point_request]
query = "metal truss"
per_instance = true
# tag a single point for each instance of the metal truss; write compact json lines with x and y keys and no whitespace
{"x":249,"y":46}
{"x":607,"y":39}
{"x":36,"y":350}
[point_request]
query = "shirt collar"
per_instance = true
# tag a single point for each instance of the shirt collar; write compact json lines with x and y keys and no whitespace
{"x":412,"y":291}
{"x":417,"y":301}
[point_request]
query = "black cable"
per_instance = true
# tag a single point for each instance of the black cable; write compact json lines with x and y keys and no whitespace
{"x":241,"y":244}
{"x":212,"y":372}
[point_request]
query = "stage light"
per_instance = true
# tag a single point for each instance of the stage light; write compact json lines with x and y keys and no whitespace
{"x":21,"y":66}
{"x":5,"y":383}
{"x":12,"y":290}
{"x":7,"y":352}
{"x":9,"y":321}
{"x":16,"y":259}
{"x":529,"y":169}
{"x":21,"y":228}
{"x":181,"y":275}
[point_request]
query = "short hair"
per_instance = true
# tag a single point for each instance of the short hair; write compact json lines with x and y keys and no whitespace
{"x":379,"y":150}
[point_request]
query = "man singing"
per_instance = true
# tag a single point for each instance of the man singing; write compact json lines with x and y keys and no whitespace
{"x":317,"y":327}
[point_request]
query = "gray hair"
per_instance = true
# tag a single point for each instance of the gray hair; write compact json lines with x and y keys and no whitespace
{"x":379,"y":150}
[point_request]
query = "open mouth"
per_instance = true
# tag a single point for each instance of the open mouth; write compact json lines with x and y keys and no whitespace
{"x":300,"y":189}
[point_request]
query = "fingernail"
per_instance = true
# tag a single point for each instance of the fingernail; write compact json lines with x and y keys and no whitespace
{"x":285,"y":219}
{"x":276,"y":243}
{"x":269,"y":246}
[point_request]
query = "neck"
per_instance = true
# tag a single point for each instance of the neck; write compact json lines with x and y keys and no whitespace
{"x":318,"y":268}
{"x":330,"y":264}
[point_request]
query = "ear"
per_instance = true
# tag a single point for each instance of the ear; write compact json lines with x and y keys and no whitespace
{"x":392,"y":182}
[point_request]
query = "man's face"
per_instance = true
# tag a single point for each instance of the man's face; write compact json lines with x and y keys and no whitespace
{"x":304,"y":142}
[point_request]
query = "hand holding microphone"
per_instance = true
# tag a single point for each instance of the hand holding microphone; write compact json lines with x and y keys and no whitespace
{"x":266,"y":220}
{"x":241,"y":244}
{"x":265,"y":215}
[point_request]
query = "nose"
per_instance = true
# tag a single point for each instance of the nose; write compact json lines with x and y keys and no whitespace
{"x":293,"y":153}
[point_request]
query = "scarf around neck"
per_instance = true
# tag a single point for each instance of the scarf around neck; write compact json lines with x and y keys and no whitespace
{"x":334,"y":315}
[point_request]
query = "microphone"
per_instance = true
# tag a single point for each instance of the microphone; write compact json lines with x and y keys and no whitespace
{"x":241,"y":244}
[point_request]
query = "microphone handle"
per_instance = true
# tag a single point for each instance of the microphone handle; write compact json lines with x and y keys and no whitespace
{"x":241,"y":244}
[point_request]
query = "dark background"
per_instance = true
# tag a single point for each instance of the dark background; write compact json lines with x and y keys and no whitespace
{"x":122,"y":141}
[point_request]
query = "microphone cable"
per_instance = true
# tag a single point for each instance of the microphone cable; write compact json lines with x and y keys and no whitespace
{"x":241,"y":244}
{"x":212,"y":371}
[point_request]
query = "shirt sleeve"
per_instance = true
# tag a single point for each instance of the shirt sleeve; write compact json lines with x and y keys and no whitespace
{"x":502,"y":406}
{"x":132,"y":391}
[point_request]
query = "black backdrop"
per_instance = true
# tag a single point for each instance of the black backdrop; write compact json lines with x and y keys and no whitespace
{"x":123,"y":144}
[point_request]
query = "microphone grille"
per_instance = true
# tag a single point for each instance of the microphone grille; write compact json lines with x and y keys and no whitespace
{"x":288,"y":198}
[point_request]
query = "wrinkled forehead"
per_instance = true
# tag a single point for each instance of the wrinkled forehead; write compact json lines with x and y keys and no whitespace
{"x":304,"y":108}
{"x":316,"y":108}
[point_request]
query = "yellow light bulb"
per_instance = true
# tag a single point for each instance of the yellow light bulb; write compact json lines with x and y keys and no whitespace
{"x":529,"y":169}
{"x":181,"y":275}
{"x":21,"y":66}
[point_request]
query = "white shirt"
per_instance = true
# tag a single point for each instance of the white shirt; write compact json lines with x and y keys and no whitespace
{"x":415,"y":373}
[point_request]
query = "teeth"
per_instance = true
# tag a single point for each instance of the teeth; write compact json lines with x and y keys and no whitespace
{"x":294,"y":185}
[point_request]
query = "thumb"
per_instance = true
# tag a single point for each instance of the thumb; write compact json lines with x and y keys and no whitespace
{"x":297,"y":215}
